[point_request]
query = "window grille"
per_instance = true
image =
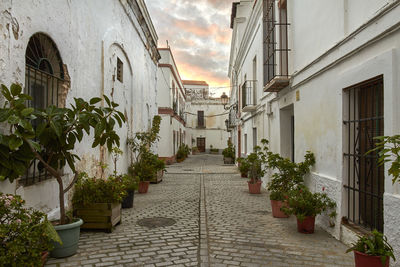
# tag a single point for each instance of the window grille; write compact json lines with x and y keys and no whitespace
{"x":120,"y":70}
{"x":200,"y":119}
{"x":44,"y":77}
{"x":363,"y":110}
{"x":275,"y":43}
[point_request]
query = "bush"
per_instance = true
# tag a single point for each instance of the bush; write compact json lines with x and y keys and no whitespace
{"x":89,"y":190}
{"x":289,"y":175}
{"x":229,"y":152}
{"x":24,"y":233}
{"x":147,"y":167}
{"x":374,"y":244}
{"x":183,"y":152}
{"x":303,"y":203}
{"x":244,"y":165}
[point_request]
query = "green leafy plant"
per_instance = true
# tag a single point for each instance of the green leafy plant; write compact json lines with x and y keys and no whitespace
{"x":244,"y":165}
{"x":229,"y":152}
{"x":303,"y":203}
{"x":24,"y":233}
{"x":374,"y":244}
{"x":183,"y":152}
{"x":388,"y":148}
{"x":145,"y":164}
{"x":52,"y":141}
{"x":289,"y":175}
{"x":89,"y":190}
{"x":195,"y":149}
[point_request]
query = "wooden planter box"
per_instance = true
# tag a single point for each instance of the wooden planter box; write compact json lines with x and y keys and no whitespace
{"x":158,"y":177}
{"x":99,"y":215}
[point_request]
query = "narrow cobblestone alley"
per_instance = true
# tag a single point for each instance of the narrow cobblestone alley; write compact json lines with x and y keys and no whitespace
{"x":215,"y":222}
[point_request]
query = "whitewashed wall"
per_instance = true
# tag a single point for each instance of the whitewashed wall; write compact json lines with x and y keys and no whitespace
{"x":89,"y":38}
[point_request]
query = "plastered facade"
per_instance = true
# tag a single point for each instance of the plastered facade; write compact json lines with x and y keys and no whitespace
{"x":350,"y":42}
{"x":89,"y":39}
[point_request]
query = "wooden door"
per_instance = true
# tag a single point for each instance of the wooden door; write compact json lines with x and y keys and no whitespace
{"x":201,"y":144}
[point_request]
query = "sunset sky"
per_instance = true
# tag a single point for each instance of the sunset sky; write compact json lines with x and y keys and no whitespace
{"x":199,"y":36}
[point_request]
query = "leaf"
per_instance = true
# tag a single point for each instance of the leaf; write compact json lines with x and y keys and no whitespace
{"x":95,"y":100}
{"x":4,"y":113}
{"x":15,"y":143}
{"x":35,"y":145}
{"x":16,"y":89}
{"x":56,"y":127}
{"x":13,"y":119}
{"x":6,"y":93}
{"x":27,"y":111}
{"x":107,"y":100}
{"x":52,"y":233}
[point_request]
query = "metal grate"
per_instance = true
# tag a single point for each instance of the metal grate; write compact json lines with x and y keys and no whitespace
{"x":43,"y":79}
{"x":365,"y":179}
{"x":275,"y":33}
{"x":248,"y":93}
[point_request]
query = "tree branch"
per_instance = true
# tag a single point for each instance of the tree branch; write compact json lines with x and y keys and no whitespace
{"x":72,"y":182}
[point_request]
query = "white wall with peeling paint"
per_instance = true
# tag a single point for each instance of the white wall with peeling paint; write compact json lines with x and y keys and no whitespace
{"x":89,"y":38}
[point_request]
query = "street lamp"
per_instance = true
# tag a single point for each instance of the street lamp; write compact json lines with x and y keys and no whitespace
{"x":227,"y":125}
{"x":224,"y":100}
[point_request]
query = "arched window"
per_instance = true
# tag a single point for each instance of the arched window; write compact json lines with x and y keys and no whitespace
{"x":44,"y":73}
{"x":44,"y":78}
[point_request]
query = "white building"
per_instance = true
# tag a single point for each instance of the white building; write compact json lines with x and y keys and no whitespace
{"x":327,"y":82}
{"x":171,"y":107}
{"x":81,"y":50}
{"x":205,"y":117}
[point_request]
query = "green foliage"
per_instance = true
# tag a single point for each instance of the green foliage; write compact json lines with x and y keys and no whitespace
{"x":214,"y":150}
{"x":89,"y":190}
{"x":289,"y":175}
{"x":53,"y":139}
{"x":244,"y":165}
{"x":229,"y":152}
{"x":146,"y":164}
{"x":374,"y":244}
{"x":24,"y":233}
{"x":303,"y":203}
{"x":388,"y":148}
{"x":183,"y":151}
{"x":195,"y":149}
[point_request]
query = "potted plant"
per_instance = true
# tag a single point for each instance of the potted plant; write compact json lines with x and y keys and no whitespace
{"x":159,"y":168}
{"x":214,"y":150}
{"x":131,"y":184}
{"x":52,"y":142}
{"x":255,"y":172}
{"x":388,"y":148}
{"x":372,"y":250}
{"x":181,"y":154}
{"x":97,"y":201}
{"x":306,"y":205}
{"x":26,"y":235}
{"x":244,"y":167}
{"x":229,"y":154}
{"x":289,"y":175}
{"x":142,"y":164}
{"x":195,"y":150}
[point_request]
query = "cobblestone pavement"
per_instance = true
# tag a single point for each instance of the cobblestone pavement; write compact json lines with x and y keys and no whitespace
{"x":218,"y":223}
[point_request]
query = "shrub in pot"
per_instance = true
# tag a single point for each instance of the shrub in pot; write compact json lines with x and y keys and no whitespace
{"x":229,"y":153}
{"x":181,"y":154}
{"x":372,"y":250}
{"x":244,"y":167}
{"x":255,"y":172}
{"x":52,"y":143}
{"x":142,"y":164}
{"x":25,"y":234}
{"x":97,"y":201}
{"x":289,"y":175}
{"x":195,"y":150}
{"x":305,"y":205}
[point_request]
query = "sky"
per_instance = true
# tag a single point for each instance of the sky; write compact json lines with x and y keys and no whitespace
{"x":199,"y":35}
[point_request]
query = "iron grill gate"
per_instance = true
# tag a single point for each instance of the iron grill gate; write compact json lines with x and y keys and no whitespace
{"x":44,"y":88}
{"x":365,"y":179}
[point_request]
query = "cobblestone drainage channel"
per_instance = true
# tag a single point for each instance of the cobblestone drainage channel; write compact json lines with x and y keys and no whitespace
{"x":156,"y":222}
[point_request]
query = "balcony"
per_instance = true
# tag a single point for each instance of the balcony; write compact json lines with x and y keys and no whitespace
{"x":249,"y":96}
{"x":277,"y":83}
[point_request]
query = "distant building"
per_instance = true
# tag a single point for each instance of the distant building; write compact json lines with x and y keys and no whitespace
{"x":205,"y":117}
{"x":171,"y":107}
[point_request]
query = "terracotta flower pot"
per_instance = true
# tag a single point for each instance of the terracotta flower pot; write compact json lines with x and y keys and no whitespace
{"x":307,"y":225}
{"x":364,"y":260}
{"x":143,"y":187}
{"x":276,"y":208}
{"x":45,"y":254}
{"x":243,"y":175}
{"x":254,"y":188}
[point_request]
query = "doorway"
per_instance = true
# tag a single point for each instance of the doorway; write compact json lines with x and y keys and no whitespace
{"x":201,"y":144}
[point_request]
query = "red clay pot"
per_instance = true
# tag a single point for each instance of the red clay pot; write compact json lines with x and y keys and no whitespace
{"x":364,"y":260}
{"x":307,"y":225}
{"x":243,"y":175}
{"x":276,"y":208}
{"x":254,"y":188}
{"x":143,"y":187}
